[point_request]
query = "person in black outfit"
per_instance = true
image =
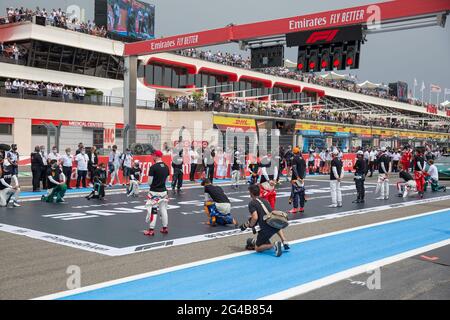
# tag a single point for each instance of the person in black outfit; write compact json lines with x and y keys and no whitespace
{"x":177,"y":165}
{"x":360,"y":168}
{"x":44,"y":168}
{"x":37,"y":166}
{"x":262,"y":242}
{"x":92,"y":162}
{"x":99,"y":180}
{"x":297,"y":182}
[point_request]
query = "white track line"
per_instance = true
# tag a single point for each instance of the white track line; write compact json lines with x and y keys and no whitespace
{"x":307,"y":287}
{"x":286,"y":295}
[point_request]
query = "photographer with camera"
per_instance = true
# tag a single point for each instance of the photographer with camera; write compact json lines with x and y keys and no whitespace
{"x":259,"y":209}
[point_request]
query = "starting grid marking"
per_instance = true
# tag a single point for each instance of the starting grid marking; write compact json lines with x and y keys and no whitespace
{"x":112,"y":251}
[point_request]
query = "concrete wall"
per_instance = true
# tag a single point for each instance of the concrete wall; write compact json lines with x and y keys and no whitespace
{"x":23,"y":111}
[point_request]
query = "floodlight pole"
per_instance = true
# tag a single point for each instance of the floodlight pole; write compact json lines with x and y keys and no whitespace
{"x":129,"y":97}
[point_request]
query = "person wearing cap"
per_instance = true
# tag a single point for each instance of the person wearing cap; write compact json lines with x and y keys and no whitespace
{"x":8,"y":193}
{"x":217,"y":205}
{"x":298,"y":182}
{"x":384,"y":169}
{"x":360,"y":168}
{"x":336,"y":176}
{"x":157,"y":198}
{"x":135,"y":178}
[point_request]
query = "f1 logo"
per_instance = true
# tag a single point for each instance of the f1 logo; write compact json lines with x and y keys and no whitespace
{"x":327,"y":36}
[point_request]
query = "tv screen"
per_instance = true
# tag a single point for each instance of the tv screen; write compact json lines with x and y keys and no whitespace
{"x":131,"y":18}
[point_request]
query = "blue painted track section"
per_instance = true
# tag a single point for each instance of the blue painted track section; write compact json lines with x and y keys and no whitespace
{"x":260,"y":274}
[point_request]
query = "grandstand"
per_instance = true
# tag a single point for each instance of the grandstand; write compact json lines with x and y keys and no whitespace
{"x":36,"y":54}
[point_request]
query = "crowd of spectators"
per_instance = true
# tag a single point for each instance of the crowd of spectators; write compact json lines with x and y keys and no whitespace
{"x":42,"y":89}
{"x":348,"y":84}
{"x":55,"y":17}
{"x":13,"y":52}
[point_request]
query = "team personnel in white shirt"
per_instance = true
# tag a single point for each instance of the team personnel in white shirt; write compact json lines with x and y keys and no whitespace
{"x":54,"y":155}
{"x":66,"y":161}
{"x":396,"y":156}
{"x":385,"y":169}
{"x":194,"y":159}
{"x":82,"y":160}
{"x":336,"y":176}
{"x":433,"y":178}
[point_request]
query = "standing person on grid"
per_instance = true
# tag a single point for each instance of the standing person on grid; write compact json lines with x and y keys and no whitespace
{"x":126,"y":160}
{"x":157,"y":198}
{"x":336,"y":176}
{"x":406,"y":159}
{"x":298,"y":182}
{"x":193,"y":157}
{"x":177,"y":167}
{"x":384,"y":169}
{"x":66,"y":161}
{"x":82,"y":160}
{"x":13,"y":158}
{"x":114,"y":165}
{"x":93,"y":163}
{"x":360,"y":168}
{"x":44,"y":168}
{"x":419,"y":172}
{"x":235,"y":171}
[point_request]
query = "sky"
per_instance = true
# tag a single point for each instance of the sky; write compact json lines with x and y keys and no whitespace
{"x":422,"y":54}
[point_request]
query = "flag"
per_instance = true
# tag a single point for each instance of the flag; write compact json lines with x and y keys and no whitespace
{"x":423,"y":86}
{"x":434,"y":88}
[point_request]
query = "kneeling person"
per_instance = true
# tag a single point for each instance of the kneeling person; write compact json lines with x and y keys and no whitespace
{"x":56,"y":182}
{"x":257,"y":208}
{"x":217,"y":205}
{"x":99,"y":179}
{"x":8,"y":193}
{"x":408,"y":185}
{"x":135,"y":178}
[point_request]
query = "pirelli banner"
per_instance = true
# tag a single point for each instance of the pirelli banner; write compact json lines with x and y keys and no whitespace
{"x":385,"y":133}
{"x":227,"y":123}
